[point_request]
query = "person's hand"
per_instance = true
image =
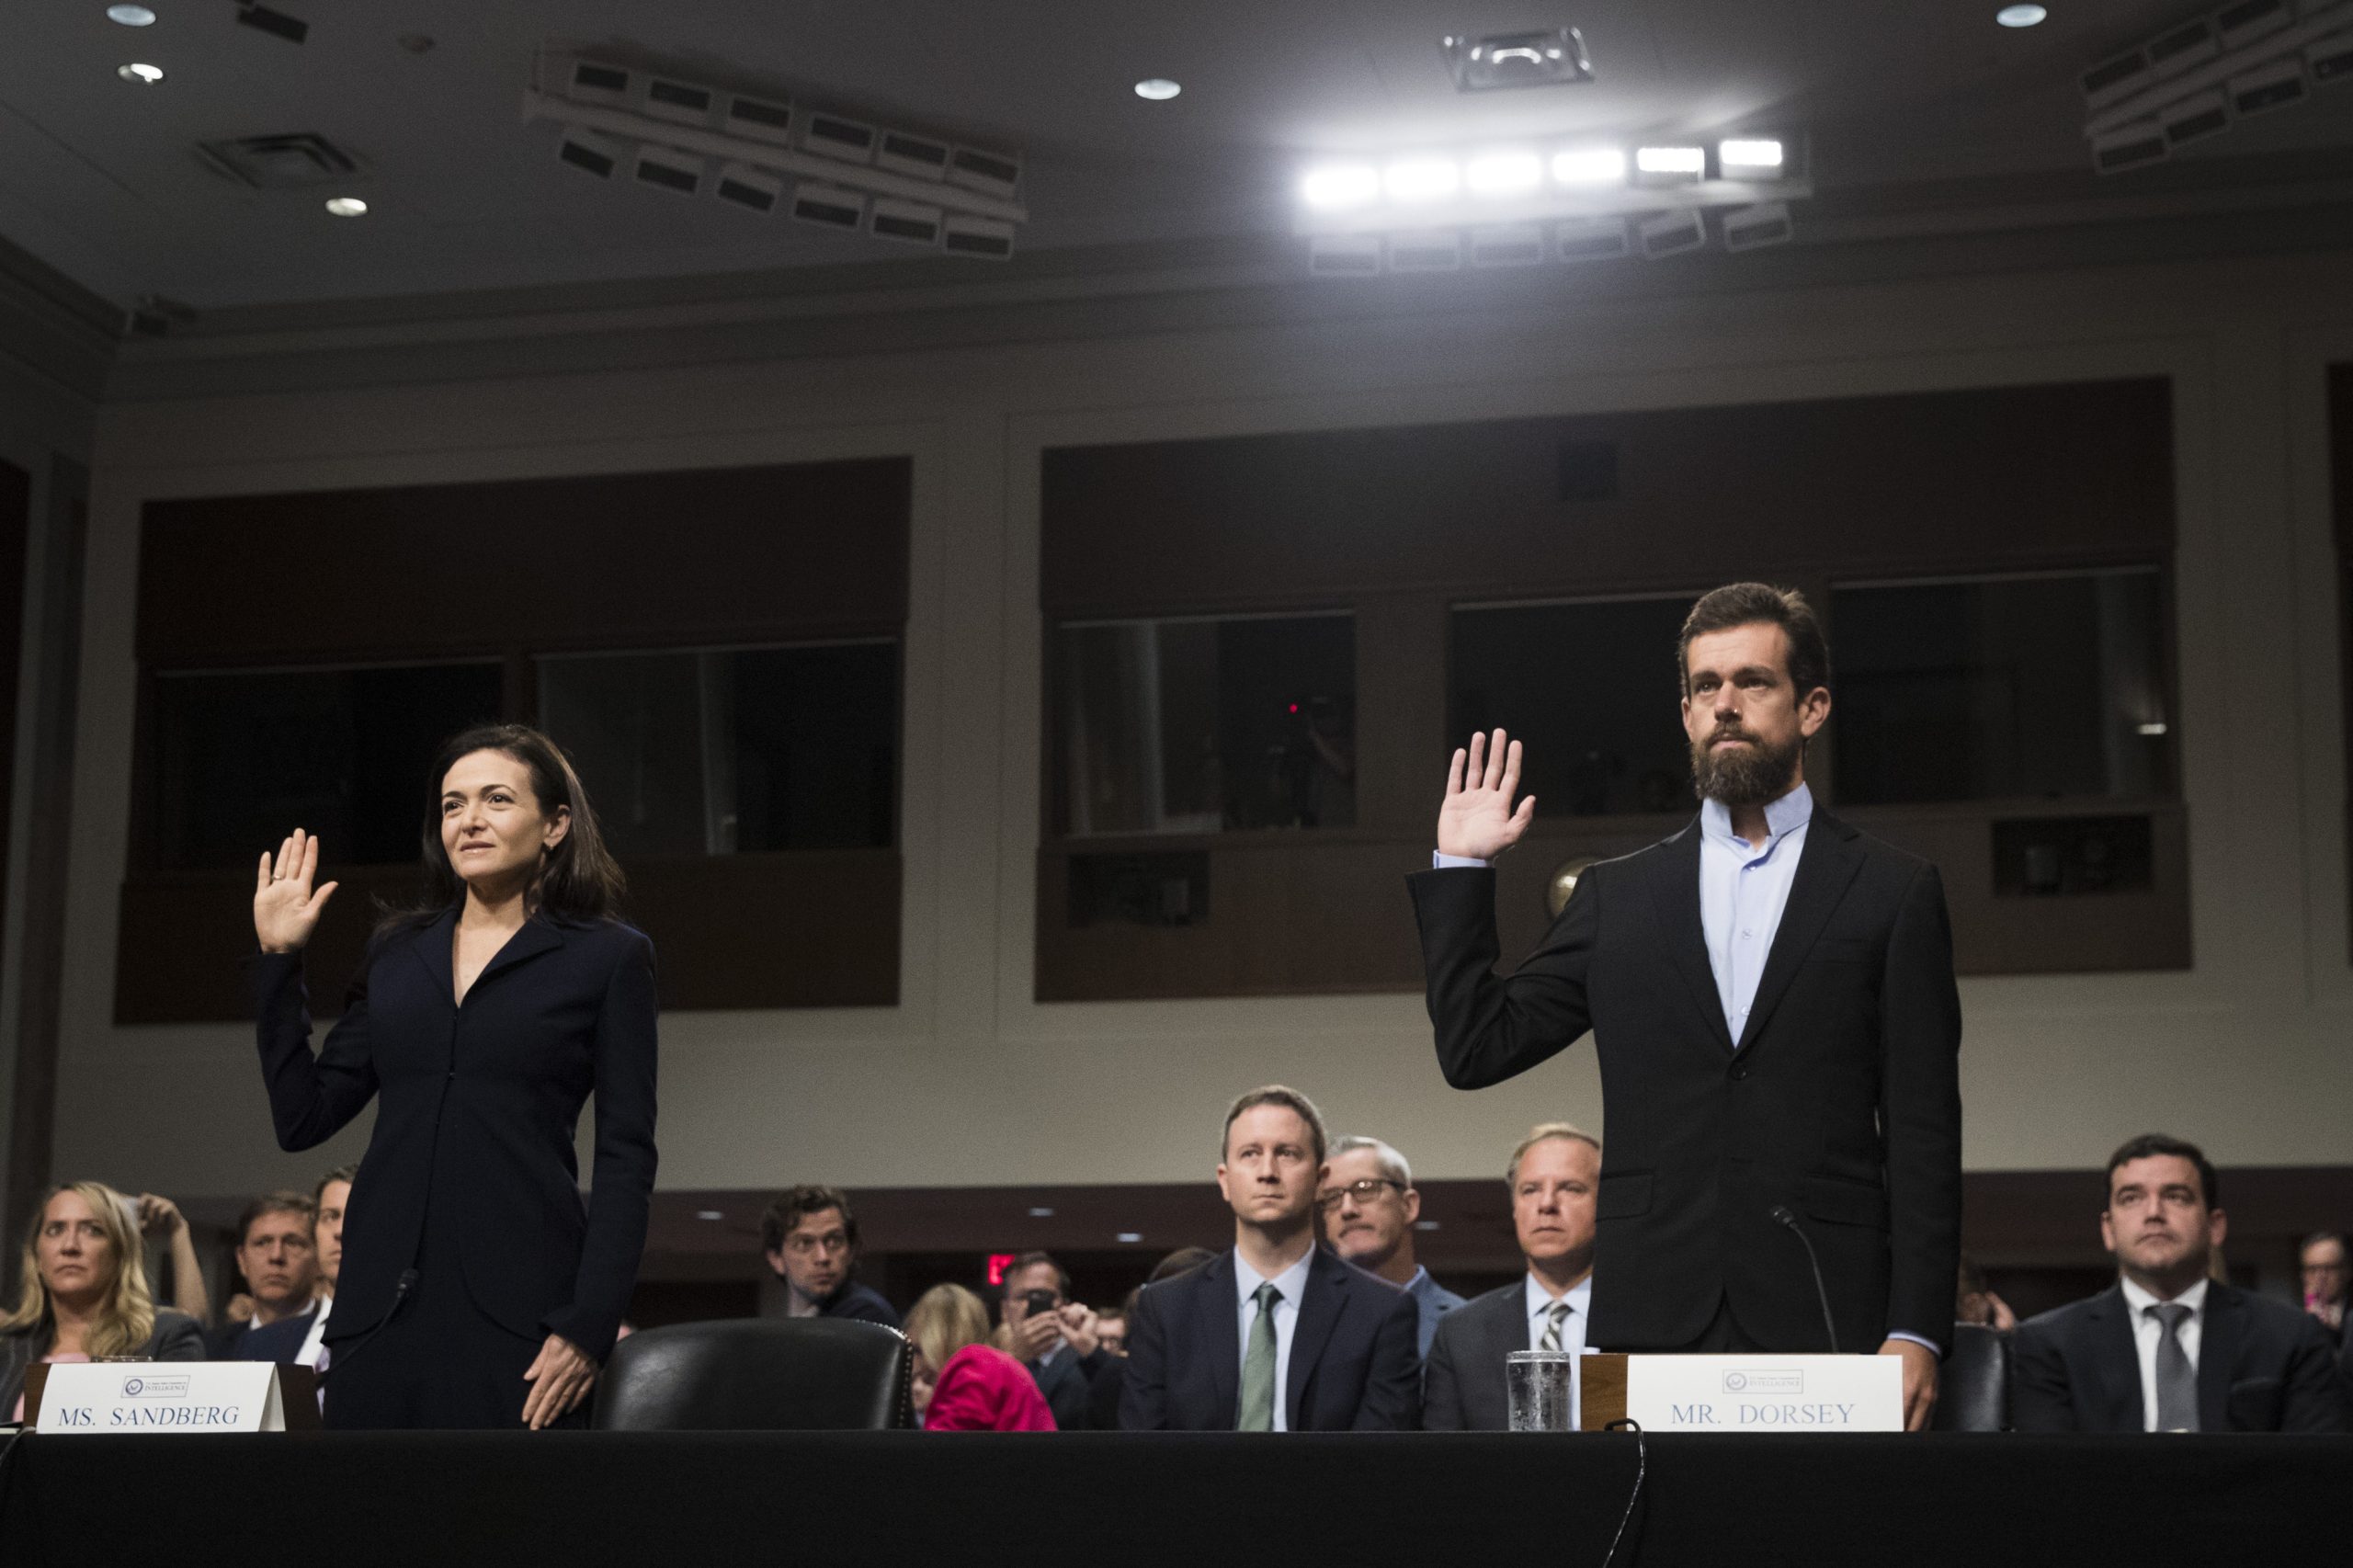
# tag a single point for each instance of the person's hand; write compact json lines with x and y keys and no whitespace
{"x":285,"y":909}
{"x":1478,"y":821}
{"x":561,"y":1376}
{"x":1919,"y":1382}
{"x":1035,"y":1334}
{"x":1998,"y":1316}
{"x":1079,"y":1327}
{"x":239,"y":1310}
{"x":160,"y":1216}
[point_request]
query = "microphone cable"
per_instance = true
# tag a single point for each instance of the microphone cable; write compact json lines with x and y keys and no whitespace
{"x":400,"y":1294}
{"x":1782,"y":1215}
{"x":1641,"y":1469}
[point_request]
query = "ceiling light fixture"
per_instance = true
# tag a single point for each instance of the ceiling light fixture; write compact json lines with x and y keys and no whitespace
{"x":1688,"y":163}
{"x":709,"y":1214}
{"x":1041,"y":1212}
{"x":1158,"y":89}
{"x":1421,"y":179}
{"x":1337,"y":186}
{"x":1749,"y":159}
{"x":1505,"y":173}
{"x":131,"y":15}
{"x":1131,"y":1237}
{"x":1589,"y":165}
{"x":148,"y":75}
{"x":347,"y":207}
{"x":2020,"y":15}
{"x":1553,"y":58}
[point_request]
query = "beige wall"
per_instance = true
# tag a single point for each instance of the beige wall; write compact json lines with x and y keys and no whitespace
{"x":968,"y":1081}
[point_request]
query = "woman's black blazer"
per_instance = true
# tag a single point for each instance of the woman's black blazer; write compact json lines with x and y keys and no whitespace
{"x":481,"y":1103}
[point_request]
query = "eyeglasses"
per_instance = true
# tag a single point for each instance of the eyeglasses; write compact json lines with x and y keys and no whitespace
{"x":1363,"y":1192}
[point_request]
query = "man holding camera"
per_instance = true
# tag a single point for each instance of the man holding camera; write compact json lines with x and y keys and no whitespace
{"x":1054,"y":1337}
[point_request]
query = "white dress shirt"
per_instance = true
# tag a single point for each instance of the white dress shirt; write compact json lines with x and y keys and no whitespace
{"x":2148,"y":1334}
{"x":1743,"y":889}
{"x":1291,"y":1285}
{"x":1539,"y":1303}
{"x":316,"y":1340}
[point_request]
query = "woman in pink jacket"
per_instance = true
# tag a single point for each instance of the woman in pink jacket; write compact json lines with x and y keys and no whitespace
{"x":960,"y":1383}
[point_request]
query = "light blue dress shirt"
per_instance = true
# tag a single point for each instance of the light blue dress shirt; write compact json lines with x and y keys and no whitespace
{"x":1290,"y":1286}
{"x":1743,"y":889}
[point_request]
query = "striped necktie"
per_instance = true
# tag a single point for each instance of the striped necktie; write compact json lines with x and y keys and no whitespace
{"x":1560,"y":1314}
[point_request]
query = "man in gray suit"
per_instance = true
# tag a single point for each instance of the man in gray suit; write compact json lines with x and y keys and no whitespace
{"x":1553,"y":1177}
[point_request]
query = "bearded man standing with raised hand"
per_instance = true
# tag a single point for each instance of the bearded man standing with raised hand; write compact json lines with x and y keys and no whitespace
{"x":1772,"y":996}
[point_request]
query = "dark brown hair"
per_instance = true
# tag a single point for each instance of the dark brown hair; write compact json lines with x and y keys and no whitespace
{"x":799,"y":1204}
{"x":341,"y":1173}
{"x":1291,"y":1099}
{"x":578,"y":883}
{"x":2150,"y":1145}
{"x":274,"y":1203}
{"x":1032,"y":1260}
{"x":1750,"y":603}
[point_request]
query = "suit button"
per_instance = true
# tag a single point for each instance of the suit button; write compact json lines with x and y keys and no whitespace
{"x":1740,"y":1072}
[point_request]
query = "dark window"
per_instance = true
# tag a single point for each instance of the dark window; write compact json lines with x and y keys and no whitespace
{"x":1588,"y":687}
{"x":721,"y":751}
{"x":245,"y":756}
{"x":2027,"y":687}
{"x":1206,"y":725}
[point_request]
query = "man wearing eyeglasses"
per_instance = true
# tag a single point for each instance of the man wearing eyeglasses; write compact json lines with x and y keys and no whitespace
{"x":810,"y":1238}
{"x":1370,"y":1208}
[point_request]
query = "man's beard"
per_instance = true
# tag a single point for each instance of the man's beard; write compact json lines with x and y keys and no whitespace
{"x":1750,"y":776}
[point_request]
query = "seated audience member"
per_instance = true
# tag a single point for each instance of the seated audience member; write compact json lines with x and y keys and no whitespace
{"x":2167,"y":1348}
{"x":1277,"y":1335}
{"x":1052,"y":1335}
{"x":961,"y":1382}
{"x":1552,"y":1177}
{"x":328,"y":1202}
{"x":161,"y":1218}
{"x":1112,"y":1331}
{"x":1370,"y":1205}
{"x":810,"y":1236}
{"x":84,"y":1293}
{"x":1973,"y":1302}
{"x":2323,"y":1262}
{"x":279,"y":1263}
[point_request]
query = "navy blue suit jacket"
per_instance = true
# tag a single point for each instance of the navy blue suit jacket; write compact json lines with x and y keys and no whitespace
{"x":1354,"y":1354}
{"x":478,"y":1105}
{"x":279,"y":1341}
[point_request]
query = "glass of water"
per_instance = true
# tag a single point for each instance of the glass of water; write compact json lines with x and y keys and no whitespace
{"x":1542,"y":1386}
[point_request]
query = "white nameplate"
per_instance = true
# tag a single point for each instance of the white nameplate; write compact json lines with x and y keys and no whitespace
{"x":163,"y":1396}
{"x":1766,"y":1393}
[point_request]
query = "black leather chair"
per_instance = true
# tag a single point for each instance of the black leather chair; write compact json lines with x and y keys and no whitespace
{"x":758,"y":1374}
{"x":1974,"y":1385}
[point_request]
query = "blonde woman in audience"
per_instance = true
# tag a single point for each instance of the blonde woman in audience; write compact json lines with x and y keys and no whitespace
{"x":84,"y":1295}
{"x":961,"y":1382}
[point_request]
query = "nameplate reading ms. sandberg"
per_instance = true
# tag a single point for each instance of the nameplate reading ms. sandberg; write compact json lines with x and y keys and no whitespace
{"x":120,"y":1397}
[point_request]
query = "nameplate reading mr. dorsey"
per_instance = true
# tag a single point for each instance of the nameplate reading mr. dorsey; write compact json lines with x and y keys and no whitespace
{"x":1766,"y":1393}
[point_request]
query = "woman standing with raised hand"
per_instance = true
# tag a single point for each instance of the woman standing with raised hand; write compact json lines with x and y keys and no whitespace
{"x":475,"y":1291}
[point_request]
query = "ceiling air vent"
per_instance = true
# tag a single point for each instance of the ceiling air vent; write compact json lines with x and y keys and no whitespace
{"x":290,"y":161}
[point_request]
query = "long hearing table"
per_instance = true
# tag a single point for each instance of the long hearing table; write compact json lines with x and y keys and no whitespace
{"x":696,"y":1500}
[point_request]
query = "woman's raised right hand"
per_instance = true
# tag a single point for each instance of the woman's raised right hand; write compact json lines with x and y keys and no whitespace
{"x":285,"y":909}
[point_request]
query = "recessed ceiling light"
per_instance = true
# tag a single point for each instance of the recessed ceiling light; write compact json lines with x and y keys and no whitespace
{"x":2020,"y":15}
{"x":1338,"y":185}
{"x":148,"y":74}
{"x":1041,"y":1213}
{"x":1589,"y":165}
{"x":1505,"y":173}
{"x":1159,"y":89}
{"x":1132,"y":1236}
{"x":352,"y":207}
{"x":131,"y":15}
{"x":1422,"y":179}
{"x":1425,"y":1224}
{"x":699,"y":1213}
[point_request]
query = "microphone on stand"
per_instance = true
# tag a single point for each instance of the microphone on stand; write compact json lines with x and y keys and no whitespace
{"x":1782,"y":1215}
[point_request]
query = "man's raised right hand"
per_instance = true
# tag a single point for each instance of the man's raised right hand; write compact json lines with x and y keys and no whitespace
{"x":1478,"y":821}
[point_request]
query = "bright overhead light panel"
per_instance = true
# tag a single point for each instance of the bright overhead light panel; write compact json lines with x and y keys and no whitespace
{"x":347,"y":207}
{"x":1670,"y":166}
{"x":1750,"y":158}
{"x":1589,"y":165}
{"x":1336,"y":187}
{"x":1157,"y":89}
{"x":146,"y":75}
{"x":1504,"y":174}
{"x":1410,"y":180}
{"x":2020,"y":15}
{"x":1552,"y":58}
{"x":131,"y":15}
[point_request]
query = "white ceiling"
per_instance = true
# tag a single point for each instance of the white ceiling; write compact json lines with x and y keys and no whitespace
{"x":99,"y":180}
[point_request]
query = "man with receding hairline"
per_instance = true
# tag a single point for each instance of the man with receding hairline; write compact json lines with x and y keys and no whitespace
{"x":1276,"y":1334}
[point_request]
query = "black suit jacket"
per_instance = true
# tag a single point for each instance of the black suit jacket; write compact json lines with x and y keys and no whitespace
{"x":2262,"y":1367}
{"x":859,"y":1304}
{"x":1462,"y":1382}
{"x":1065,"y":1385}
{"x":478,"y":1109}
{"x":279,"y":1341}
{"x":1843,"y":1100}
{"x":1353,"y":1361}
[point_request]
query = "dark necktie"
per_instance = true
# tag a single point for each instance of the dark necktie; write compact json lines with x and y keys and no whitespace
{"x":2176,"y":1380}
{"x":1551,"y":1340}
{"x":1258,"y":1365}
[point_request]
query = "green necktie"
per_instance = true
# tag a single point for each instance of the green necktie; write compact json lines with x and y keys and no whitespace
{"x":1258,"y":1365}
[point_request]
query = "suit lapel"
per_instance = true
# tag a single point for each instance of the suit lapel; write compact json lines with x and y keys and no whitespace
{"x":1215,"y":1292}
{"x":1319,"y":1308}
{"x":537,"y":936}
{"x":2117,"y":1356}
{"x":1506,"y":1333}
{"x":1824,"y":870}
{"x":433,"y":949}
{"x":2218,"y":1350}
{"x":1674,"y":889}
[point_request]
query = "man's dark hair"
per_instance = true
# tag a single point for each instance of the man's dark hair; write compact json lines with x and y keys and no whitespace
{"x":274,"y":1203}
{"x":1184,"y":1260}
{"x":341,"y":1173}
{"x":2150,"y":1144}
{"x":1289,"y":1099}
{"x":798,"y":1204}
{"x":1031,"y":1260}
{"x":2319,"y":1237}
{"x":1750,"y":604}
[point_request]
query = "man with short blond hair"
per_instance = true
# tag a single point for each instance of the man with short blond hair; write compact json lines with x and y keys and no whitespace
{"x":278,"y":1259}
{"x":1552,"y":1177}
{"x":1276,"y":1334}
{"x":1370,"y":1210}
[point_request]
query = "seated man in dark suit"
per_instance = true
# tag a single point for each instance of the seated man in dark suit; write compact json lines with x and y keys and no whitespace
{"x":1277,"y":1335}
{"x":810,"y":1238}
{"x":2167,"y":1349}
{"x":1553,"y":1177}
{"x":1052,"y":1335}
{"x":279,"y":1261}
